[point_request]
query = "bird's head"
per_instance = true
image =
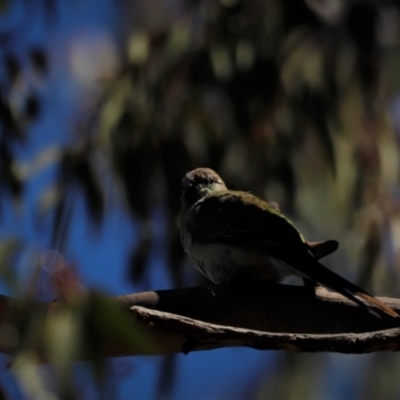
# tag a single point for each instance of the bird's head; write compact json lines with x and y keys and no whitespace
{"x":199,"y":183}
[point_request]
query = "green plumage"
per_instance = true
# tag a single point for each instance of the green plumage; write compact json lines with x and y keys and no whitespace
{"x":233,"y":235}
{"x":241,"y":219}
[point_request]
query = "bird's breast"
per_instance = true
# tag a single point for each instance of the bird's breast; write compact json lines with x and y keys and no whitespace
{"x":222,"y":263}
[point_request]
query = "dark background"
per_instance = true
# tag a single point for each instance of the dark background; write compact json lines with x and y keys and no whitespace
{"x":105,"y":105}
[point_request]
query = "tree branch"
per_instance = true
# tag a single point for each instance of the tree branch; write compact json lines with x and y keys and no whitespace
{"x":267,"y":316}
{"x":189,"y":335}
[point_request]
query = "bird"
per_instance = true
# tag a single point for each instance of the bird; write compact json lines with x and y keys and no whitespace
{"x":234,"y":236}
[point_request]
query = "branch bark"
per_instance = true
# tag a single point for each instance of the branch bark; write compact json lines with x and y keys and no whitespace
{"x":267,"y":317}
{"x":189,"y":335}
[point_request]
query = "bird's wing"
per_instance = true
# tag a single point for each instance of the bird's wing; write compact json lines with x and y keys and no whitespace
{"x":240,"y":218}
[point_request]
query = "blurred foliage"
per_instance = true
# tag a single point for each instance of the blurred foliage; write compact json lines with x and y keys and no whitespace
{"x":73,"y":328}
{"x":297,"y":101}
{"x":284,"y":98}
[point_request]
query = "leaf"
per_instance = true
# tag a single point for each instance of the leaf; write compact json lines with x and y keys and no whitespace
{"x":76,"y":168}
{"x":60,"y":221}
{"x":31,"y":108}
{"x":135,"y":161}
{"x":39,"y":60}
{"x":13,"y":67}
{"x":175,"y":162}
{"x":107,"y":325}
{"x":8,"y":175}
{"x":7,"y":120}
{"x":9,"y":249}
{"x":30,"y":378}
{"x":140,"y":255}
{"x":168,"y":375}
{"x":63,"y":337}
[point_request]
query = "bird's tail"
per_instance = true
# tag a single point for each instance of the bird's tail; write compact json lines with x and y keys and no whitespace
{"x":322,"y":249}
{"x":349,"y":290}
{"x":305,"y":265}
{"x":333,"y":281}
